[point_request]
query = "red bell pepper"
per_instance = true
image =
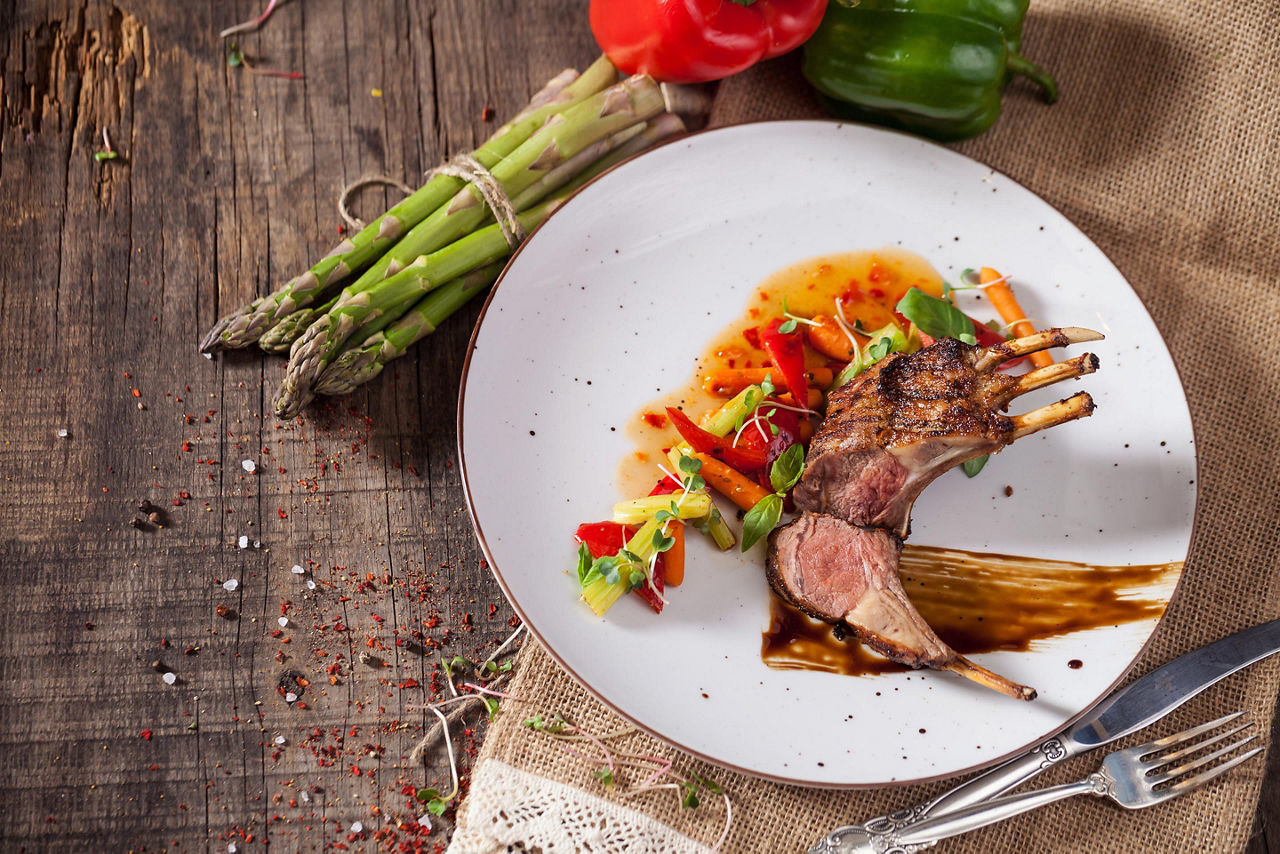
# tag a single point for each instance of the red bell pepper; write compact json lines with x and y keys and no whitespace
{"x":786,"y":351}
{"x":607,"y":538}
{"x":692,"y":41}
{"x":742,"y":459}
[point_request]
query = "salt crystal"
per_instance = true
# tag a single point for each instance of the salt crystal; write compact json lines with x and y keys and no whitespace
{"x":311,"y":585}
{"x":63,"y":433}
{"x":248,"y":465}
{"x":297,"y":570}
{"x":306,"y":798}
{"x":257,"y":544}
{"x":243,"y":542}
{"x":208,"y":356}
{"x":230,"y":584}
{"x":169,"y":677}
{"x":279,"y":739}
{"x":356,"y":827}
{"x":283,"y":621}
{"x":231,"y":848}
{"x":291,"y":697}
{"x":425,"y":821}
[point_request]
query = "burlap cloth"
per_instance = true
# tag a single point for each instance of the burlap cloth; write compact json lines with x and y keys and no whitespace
{"x":1165,"y":150}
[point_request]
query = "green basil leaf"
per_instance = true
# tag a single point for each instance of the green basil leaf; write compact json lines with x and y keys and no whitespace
{"x":761,"y":519}
{"x":973,"y":466}
{"x":935,"y":317}
{"x":584,"y":564}
{"x":787,"y":468}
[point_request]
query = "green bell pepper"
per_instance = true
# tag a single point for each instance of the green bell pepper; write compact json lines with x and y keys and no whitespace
{"x":932,"y":67}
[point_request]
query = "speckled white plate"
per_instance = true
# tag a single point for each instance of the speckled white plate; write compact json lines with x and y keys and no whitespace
{"x":609,"y":304}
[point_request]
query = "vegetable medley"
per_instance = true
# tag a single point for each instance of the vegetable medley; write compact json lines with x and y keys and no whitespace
{"x":750,"y":450}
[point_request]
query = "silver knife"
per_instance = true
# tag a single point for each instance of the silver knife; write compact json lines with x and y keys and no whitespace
{"x":1128,"y":710}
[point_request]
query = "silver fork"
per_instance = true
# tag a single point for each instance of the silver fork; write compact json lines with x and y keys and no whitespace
{"x":1136,"y":777}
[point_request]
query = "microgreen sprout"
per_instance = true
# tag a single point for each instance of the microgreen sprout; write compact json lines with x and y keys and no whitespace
{"x":237,"y":58}
{"x":970,"y":277}
{"x":252,"y":23}
{"x":107,"y":153}
{"x":792,"y":319}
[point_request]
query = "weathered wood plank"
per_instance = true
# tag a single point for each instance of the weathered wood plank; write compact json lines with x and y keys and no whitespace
{"x":225,"y":186}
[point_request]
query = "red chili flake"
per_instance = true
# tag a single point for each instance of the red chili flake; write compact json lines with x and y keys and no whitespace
{"x":184,"y":495}
{"x":376,"y":618}
{"x":186,"y":446}
{"x":177,"y":502}
{"x":90,"y":626}
{"x":146,"y":734}
{"x":282,"y":470}
{"x":136,"y":393}
{"x":409,"y":683}
{"x":752,"y":334}
{"x":493,"y":609}
{"x":128,"y":375}
{"x":282,"y":514}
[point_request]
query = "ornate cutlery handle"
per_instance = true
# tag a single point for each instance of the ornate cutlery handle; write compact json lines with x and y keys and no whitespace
{"x":880,"y":835}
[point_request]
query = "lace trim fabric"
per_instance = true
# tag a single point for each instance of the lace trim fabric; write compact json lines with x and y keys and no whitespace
{"x":513,"y":810}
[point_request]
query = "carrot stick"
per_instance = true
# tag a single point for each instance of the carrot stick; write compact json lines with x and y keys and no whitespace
{"x":1001,"y":296}
{"x":829,"y":339}
{"x":673,"y":558}
{"x":729,"y":482}
{"x":726,"y":382}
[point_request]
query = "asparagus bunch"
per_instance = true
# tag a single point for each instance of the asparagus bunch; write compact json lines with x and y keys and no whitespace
{"x":362,"y":363}
{"x":247,"y":324}
{"x":430,"y":254}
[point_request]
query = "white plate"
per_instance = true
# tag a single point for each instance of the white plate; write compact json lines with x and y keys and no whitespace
{"x":609,"y":304}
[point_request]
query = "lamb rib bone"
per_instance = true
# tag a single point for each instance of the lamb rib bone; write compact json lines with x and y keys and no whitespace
{"x":840,"y":573}
{"x":894,"y":429}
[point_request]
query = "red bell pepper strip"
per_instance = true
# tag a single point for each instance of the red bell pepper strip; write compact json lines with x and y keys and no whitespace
{"x":786,"y":351}
{"x":607,"y":538}
{"x":692,"y":41}
{"x":742,"y":459}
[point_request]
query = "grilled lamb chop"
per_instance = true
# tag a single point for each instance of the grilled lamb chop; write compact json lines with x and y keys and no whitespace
{"x":837,"y":572}
{"x":886,"y":436}
{"x":909,"y":418}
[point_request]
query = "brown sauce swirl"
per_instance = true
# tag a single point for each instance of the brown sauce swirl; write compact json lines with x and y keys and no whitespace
{"x":979,"y":602}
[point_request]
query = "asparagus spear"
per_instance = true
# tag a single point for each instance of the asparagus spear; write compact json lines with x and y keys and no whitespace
{"x":323,"y":340}
{"x":358,"y":365}
{"x":245,"y":325}
{"x":279,"y":338}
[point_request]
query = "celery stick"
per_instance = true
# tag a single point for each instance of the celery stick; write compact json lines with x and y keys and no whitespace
{"x":724,"y":420}
{"x":689,"y":505}
{"x":713,"y":524}
{"x":600,"y":595}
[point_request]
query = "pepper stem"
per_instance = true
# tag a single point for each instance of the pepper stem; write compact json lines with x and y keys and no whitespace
{"x":1048,"y":86}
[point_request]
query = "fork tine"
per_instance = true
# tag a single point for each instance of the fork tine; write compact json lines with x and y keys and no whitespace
{"x":1156,"y":779}
{"x":1166,"y":758}
{"x":1170,"y":740}
{"x":1200,"y":779}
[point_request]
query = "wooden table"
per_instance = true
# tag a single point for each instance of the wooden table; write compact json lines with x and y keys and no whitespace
{"x":225,"y":184}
